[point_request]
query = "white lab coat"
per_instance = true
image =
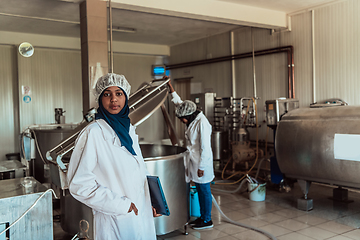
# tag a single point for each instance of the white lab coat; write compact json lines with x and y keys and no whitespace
{"x":198,"y":142}
{"x":107,"y":177}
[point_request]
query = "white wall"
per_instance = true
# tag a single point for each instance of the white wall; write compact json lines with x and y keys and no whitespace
{"x":216,"y":76}
{"x":337,"y":51}
{"x":54,"y":79}
{"x":9,"y":106}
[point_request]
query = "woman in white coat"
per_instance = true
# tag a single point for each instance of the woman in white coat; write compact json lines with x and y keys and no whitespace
{"x":199,"y":168}
{"x":107,"y":171}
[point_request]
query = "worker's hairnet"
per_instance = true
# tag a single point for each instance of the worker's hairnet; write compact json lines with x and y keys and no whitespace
{"x":109,"y":80}
{"x":186,"y":108}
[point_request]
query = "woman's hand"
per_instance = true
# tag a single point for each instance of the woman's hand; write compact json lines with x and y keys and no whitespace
{"x":133,"y":208}
{"x":155,"y":214}
{"x":200,"y":173}
{"x":171,"y":88}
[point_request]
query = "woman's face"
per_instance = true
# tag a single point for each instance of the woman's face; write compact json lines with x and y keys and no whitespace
{"x":113,"y":99}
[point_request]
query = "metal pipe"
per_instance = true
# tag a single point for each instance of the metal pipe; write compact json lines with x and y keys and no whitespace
{"x":39,"y":18}
{"x":148,"y":94}
{"x":287,"y":49}
{"x":228,"y":58}
{"x":289,"y":74}
{"x":313,"y":54}
{"x":233,"y":77}
{"x":111,"y":40}
{"x":253,"y":60}
{"x":292,"y":72}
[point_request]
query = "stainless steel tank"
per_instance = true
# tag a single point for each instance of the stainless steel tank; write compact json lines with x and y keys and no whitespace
{"x":167,"y":162}
{"x":164,"y":161}
{"x":47,"y":137}
{"x":304,"y":145}
{"x":219,"y":144}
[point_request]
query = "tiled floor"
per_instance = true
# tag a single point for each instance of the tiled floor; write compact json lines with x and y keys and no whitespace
{"x":277,"y":215}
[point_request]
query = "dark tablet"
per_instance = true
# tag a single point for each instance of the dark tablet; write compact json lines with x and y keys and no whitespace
{"x":157,"y":195}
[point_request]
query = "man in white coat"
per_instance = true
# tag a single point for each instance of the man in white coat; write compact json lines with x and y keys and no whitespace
{"x":107,"y":171}
{"x":199,"y":168}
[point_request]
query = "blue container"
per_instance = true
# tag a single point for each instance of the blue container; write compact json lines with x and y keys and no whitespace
{"x":194,"y":202}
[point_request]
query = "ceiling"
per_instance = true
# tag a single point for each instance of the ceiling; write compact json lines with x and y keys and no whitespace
{"x":288,"y":6}
{"x":61,"y":18}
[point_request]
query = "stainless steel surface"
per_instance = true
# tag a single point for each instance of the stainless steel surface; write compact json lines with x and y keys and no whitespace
{"x":332,"y":102}
{"x":305,"y":204}
{"x":304,"y":185}
{"x":37,"y":223}
{"x":304,"y":145}
{"x":167,"y":162}
{"x":146,"y":100}
{"x":170,"y":127}
{"x":219,"y":144}
{"x":48,"y":137}
{"x":56,"y":154}
{"x":11,"y":169}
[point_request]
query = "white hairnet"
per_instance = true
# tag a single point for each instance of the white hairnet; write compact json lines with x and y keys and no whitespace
{"x":185,"y":108}
{"x":109,"y":80}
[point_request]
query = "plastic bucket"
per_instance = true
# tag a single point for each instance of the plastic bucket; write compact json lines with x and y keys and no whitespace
{"x":194,"y":202}
{"x":257,"y":191}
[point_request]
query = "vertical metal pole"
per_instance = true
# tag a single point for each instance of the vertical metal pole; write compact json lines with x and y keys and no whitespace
{"x":111,"y":40}
{"x":253,"y":61}
{"x":313,"y":53}
{"x":233,"y":77}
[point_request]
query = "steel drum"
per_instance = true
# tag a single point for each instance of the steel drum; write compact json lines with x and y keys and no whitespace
{"x":304,"y":145}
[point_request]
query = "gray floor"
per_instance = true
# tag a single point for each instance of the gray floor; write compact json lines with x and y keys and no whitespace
{"x":277,"y":215}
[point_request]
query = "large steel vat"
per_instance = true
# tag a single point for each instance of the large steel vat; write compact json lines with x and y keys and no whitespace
{"x":304,"y":145}
{"x":164,"y":161}
{"x":47,"y":137}
{"x":167,"y":162}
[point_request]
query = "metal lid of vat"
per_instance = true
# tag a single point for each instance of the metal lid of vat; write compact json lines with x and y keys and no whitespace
{"x":146,"y":100}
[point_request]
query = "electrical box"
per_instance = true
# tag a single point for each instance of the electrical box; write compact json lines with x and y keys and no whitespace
{"x":278,"y":107}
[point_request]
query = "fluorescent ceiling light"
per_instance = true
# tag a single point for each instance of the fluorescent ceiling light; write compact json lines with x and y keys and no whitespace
{"x":123,"y":29}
